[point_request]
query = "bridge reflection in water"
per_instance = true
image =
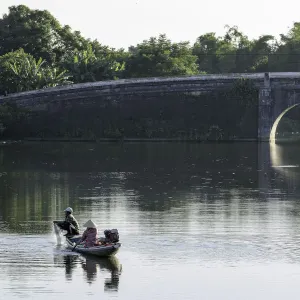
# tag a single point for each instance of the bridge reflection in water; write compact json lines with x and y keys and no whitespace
{"x":285,"y":159}
{"x":278,"y":168}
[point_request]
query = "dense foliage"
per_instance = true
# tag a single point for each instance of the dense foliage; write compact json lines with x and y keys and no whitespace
{"x":53,"y":52}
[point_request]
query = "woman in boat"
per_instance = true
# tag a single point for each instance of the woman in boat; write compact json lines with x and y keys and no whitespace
{"x":89,"y":236}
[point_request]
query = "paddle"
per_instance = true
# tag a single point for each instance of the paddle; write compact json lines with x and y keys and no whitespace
{"x":75,"y":246}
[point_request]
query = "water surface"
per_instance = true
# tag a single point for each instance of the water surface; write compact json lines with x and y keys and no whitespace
{"x":196,"y":221}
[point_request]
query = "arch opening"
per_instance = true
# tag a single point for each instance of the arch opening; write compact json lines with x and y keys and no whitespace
{"x":277,"y":121}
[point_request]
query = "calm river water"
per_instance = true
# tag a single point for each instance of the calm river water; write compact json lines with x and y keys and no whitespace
{"x":196,"y":221}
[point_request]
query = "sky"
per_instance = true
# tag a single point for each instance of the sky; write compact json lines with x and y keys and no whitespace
{"x":121,"y":23}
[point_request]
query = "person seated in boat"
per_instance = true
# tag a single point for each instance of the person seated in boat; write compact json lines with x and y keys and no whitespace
{"x":70,"y":224}
{"x":89,"y":236}
{"x":111,"y":236}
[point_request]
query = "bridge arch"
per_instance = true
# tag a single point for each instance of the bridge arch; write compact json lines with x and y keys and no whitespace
{"x":277,"y":121}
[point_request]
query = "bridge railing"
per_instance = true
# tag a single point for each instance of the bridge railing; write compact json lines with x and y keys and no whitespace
{"x":156,"y":81}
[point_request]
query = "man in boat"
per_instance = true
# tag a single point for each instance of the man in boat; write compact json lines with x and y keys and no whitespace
{"x":70,"y":224}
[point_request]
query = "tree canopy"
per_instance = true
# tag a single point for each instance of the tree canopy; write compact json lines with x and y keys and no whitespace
{"x":36,"y":51}
{"x":160,"y":57}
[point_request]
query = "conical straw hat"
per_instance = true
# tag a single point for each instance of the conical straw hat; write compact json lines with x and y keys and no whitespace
{"x":90,"y":224}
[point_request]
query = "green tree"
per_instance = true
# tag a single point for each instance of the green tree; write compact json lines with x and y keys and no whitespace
{"x":233,"y":53}
{"x":93,"y":65}
{"x":251,"y":56}
{"x":20,"y":72}
{"x":262,"y":50}
{"x":242,"y":48}
{"x":160,"y":57}
{"x":38,"y":33}
{"x":206,"y":48}
{"x":287,"y":54}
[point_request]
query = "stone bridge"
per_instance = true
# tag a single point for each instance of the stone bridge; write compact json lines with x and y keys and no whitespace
{"x":278,"y":93}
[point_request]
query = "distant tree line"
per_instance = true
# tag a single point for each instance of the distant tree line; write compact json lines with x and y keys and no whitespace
{"x":36,"y":51}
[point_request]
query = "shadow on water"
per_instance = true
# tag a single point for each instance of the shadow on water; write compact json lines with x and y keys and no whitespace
{"x":93,"y":268}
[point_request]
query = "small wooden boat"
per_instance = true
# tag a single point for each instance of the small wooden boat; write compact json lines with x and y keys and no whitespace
{"x":101,"y":251}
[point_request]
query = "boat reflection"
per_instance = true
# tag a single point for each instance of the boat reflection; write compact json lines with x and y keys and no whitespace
{"x":109,"y":268}
{"x":70,"y":264}
{"x":109,"y":265}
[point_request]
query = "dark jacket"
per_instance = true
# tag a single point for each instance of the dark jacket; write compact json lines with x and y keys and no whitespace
{"x":71,"y":219}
